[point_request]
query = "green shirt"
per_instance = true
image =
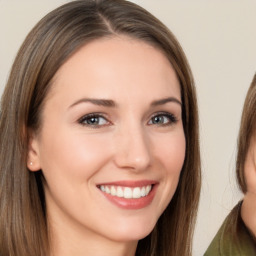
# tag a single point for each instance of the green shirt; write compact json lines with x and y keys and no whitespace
{"x":233,"y":238}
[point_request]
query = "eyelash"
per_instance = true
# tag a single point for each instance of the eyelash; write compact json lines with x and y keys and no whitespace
{"x":89,"y":117}
{"x":171,"y":118}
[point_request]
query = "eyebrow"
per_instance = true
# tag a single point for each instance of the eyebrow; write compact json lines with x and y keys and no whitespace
{"x":98,"y":102}
{"x":111,"y":103}
{"x":166,"y":100}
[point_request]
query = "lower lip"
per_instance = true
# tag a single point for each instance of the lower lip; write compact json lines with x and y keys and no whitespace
{"x":132,"y":203}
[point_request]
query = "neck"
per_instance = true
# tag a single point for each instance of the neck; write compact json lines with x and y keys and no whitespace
{"x":248,"y":211}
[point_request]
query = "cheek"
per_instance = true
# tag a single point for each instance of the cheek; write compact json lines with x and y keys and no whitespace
{"x":250,"y":177}
{"x":250,"y":172}
{"x":74,"y":155}
{"x":171,"y":153}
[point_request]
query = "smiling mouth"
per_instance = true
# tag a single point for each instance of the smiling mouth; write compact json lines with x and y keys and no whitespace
{"x":126,"y":192}
{"x":129,"y":195}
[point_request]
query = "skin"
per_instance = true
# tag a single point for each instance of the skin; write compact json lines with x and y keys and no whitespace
{"x":126,"y":145}
{"x":248,"y":211}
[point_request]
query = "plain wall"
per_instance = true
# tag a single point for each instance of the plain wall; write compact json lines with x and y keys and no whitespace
{"x":219,"y":39}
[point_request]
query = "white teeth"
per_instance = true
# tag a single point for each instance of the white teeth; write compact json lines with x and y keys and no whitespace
{"x":136,"y":193}
{"x":120,"y":192}
{"x":112,"y":191}
{"x":143,"y":191}
{"x":126,"y":192}
{"x":107,"y":190}
{"x":148,"y":188}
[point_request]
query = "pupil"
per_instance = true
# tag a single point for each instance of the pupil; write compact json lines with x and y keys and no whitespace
{"x":93,"y":120}
{"x":157,"y":119}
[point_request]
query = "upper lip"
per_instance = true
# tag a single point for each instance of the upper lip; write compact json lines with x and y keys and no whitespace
{"x":129,"y":183}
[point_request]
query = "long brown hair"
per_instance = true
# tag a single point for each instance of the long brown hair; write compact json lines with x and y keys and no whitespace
{"x":50,"y":43}
{"x":246,"y":133}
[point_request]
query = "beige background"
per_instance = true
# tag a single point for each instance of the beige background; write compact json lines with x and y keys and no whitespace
{"x":219,"y":38}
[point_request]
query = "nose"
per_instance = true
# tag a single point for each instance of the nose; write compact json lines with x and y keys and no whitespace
{"x":132,"y":149}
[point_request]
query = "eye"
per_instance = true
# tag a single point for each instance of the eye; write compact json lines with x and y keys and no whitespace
{"x":163,"y":119}
{"x":93,"y":120}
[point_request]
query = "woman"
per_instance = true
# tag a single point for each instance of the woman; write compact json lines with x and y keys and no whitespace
{"x":98,"y":125}
{"x":237,"y":234}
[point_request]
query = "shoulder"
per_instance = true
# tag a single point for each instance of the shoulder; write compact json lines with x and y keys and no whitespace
{"x":233,"y":238}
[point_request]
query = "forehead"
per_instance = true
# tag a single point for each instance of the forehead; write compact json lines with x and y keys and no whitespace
{"x":118,"y":63}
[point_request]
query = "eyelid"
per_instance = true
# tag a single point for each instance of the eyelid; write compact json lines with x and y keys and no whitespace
{"x":93,"y":115}
{"x":173,"y":118}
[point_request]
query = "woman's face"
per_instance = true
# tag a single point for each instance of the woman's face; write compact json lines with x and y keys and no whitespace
{"x":111,"y":145}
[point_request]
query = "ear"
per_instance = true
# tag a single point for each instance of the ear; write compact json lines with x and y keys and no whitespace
{"x":33,"y":159}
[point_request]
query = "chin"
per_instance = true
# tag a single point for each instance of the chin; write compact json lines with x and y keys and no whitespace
{"x":134,"y":232}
